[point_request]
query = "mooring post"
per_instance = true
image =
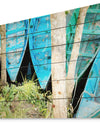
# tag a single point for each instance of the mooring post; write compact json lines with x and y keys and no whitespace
{"x":58,"y":41}
{"x":3,"y":54}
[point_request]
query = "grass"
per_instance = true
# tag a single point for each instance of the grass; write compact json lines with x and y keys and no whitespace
{"x":25,"y":101}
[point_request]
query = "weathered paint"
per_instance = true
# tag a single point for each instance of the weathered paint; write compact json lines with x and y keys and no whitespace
{"x":15,"y":46}
{"x":89,"y":42}
{"x":90,"y":106}
{"x":39,"y":40}
{"x":72,"y":16}
{"x":90,"y":103}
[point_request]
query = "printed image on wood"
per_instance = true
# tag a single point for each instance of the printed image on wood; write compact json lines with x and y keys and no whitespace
{"x":50,"y":66}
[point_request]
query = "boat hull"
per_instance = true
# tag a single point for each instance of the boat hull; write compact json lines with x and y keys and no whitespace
{"x":40,"y":48}
{"x":90,"y":103}
{"x":16,"y":42}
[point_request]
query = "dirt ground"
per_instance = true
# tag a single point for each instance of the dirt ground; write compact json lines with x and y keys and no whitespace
{"x":24,"y":110}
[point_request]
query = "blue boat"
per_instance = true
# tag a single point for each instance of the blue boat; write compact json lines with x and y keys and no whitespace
{"x":89,"y":42}
{"x":90,"y":103}
{"x":89,"y":47}
{"x":16,"y":42}
{"x":40,"y":48}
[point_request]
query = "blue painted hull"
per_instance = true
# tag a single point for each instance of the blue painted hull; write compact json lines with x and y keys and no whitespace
{"x":16,"y":42}
{"x":89,"y":106}
{"x":90,"y":103}
{"x":88,"y":49}
{"x":39,"y":42}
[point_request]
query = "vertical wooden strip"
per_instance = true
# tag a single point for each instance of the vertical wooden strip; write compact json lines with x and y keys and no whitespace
{"x":58,"y":37}
{"x":75,"y":52}
{"x":3,"y":56}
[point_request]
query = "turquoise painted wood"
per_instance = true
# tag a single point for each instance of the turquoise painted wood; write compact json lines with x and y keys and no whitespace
{"x":93,"y":11}
{"x":16,"y":42}
{"x":71,"y":20}
{"x":90,"y":32}
{"x":39,"y":40}
{"x":90,"y":103}
{"x":89,"y":43}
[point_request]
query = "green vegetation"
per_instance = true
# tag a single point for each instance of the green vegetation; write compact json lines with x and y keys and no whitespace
{"x":66,"y":12}
{"x":25,"y":101}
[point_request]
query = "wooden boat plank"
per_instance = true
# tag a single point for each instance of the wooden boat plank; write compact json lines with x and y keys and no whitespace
{"x":41,"y":40}
{"x":90,"y":110}
{"x":16,"y":32}
{"x":93,"y":11}
{"x":39,"y":22}
{"x":90,"y":32}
